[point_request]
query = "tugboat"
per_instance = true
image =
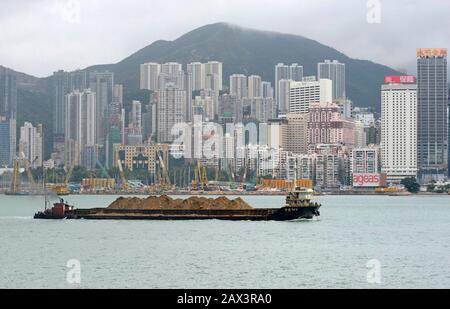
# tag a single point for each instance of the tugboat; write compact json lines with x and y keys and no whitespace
{"x":60,"y":210}
{"x":303,"y":198}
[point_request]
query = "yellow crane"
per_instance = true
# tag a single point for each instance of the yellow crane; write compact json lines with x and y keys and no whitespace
{"x":164,"y":174}
{"x":15,"y":183}
{"x":123,"y":180}
{"x":64,"y":189}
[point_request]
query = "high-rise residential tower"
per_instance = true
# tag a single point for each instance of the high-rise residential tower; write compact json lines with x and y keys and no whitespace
{"x":80,"y":125}
{"x":335,"y":71}
{"x":170,"y":111}
{"x":30,"y":144}
{"x":296,"y":72}
{"x":197,"y":70}
{"x":215,"y":69}
{"x":254,"y":86}
{"x":292,"y":72}
{"x":149,"y":76}
{"x":432,"y":100}
{"x":238,"y":86}
{"x":102,"y":83}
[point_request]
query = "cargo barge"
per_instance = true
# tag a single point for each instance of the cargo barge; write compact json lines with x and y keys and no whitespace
{"x":299,"y":205}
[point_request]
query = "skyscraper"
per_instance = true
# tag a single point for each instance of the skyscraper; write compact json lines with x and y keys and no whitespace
{"x":254,"y":86}
{"x":80,"y":125}
{"x":8,"y":94}
{"x":335,"y":71}
{"x":8,"y":116}
{"x":64,"y":83}
{"x":432,"y":98}
{"x":171,"y":73}
{"x":136,"y":115}
{"x":102,"y":84}
{"x":170,"y":111}
{"x":215,"y":68}
{"x":296,"y":72}
{"x":149,"y":76}
{"x":284,"y":89}
{"x":238,"y":86}
{"x":30,"y":144}
{"x":284,"y":72}
{"x":197,"y":70}
{"x":267,"y":90}
{"x":399,"y":127}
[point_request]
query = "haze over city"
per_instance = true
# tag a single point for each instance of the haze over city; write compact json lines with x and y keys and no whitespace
{"x":40,"y":37}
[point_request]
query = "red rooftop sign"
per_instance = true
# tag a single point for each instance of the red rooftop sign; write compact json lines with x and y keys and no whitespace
{"x":406,"y":79}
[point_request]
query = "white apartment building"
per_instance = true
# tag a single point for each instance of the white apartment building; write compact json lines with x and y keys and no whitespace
{"x":214,"y":75}
{"x":197,"y":70}
{"x":149,"y":76}
{"x":399,"y":130}
{"x":254,"y":86}
{"x":30,"y":145}
{"x":80,"y":125}
{"x":303,"y":94}
{"x":238,"y":86}
{"x":171,"y":110}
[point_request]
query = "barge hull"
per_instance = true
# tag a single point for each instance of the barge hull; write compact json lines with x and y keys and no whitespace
{"x":283,"y":214}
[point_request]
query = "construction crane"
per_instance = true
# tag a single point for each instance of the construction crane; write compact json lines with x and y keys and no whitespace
{"x":201,"y":177}
{"x":15,"y":182}
{"x":64,"y":189}
{"x":123,"y":181}
{"x":27,"y":164}
{"x":164,"y":174}
{"x":204,"y":179}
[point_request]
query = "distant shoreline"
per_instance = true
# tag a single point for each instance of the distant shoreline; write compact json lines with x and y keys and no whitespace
{"x":259,"y":193}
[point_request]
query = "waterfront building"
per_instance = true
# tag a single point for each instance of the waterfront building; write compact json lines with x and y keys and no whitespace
{"x":365,"y":160}
{"x":399,"y":127}
{"x":141,"y":157}
{"x":432,"y":119}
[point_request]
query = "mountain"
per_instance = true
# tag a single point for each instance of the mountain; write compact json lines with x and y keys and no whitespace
{"x":242,"y":50}
{"x":249,"y":51}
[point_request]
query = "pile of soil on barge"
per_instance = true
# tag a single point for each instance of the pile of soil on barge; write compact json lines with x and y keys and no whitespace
{"x":167,"y":203}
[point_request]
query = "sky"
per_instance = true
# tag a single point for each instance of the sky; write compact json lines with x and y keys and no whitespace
{"x":39,"y":37}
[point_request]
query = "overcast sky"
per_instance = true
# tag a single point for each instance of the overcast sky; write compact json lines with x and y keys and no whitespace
{"x":41,"y":36}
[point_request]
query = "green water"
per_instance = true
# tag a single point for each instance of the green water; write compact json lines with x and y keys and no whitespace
{"x":409,"y":236}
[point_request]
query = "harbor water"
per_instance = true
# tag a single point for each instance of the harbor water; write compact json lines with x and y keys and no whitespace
{"x":359,"y":242}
